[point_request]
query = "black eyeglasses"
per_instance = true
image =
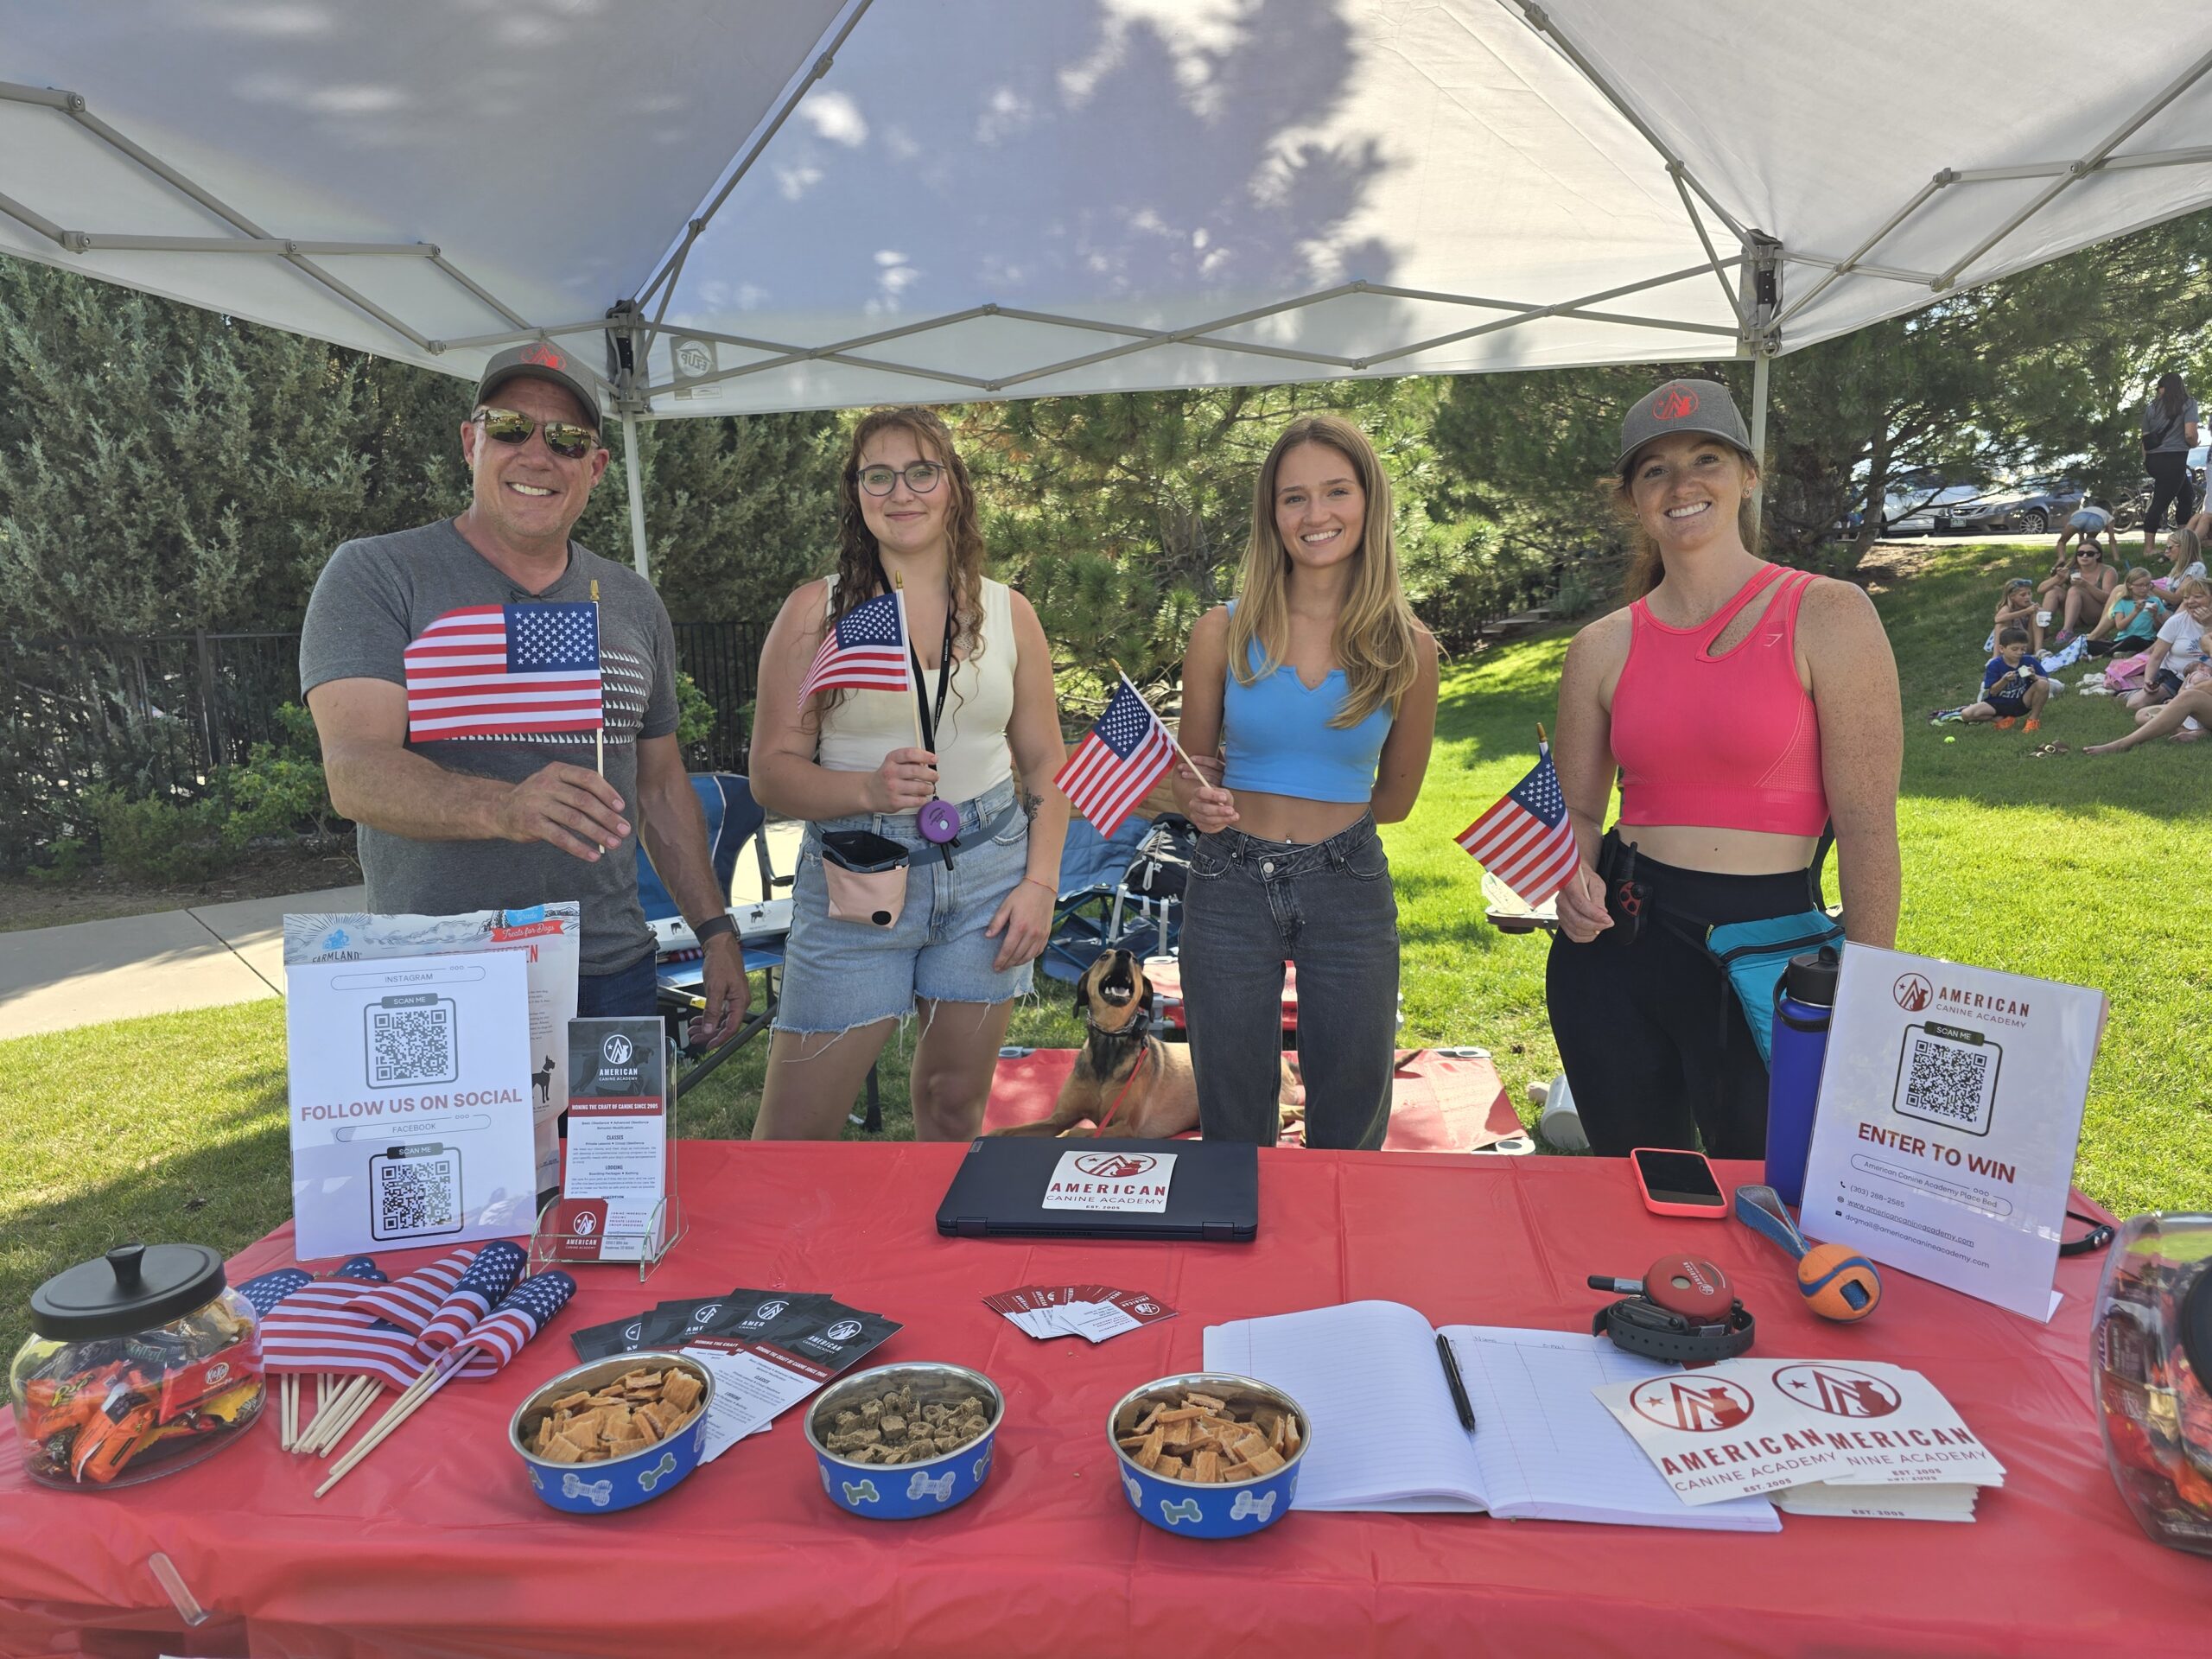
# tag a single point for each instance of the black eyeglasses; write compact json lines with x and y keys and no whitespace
{"x":563,"y":438}
{"x":921,"y":477}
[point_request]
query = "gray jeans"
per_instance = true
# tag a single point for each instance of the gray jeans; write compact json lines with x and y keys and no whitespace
{"x":1327,"y":906}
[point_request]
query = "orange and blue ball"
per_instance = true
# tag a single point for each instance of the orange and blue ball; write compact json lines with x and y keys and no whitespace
{"x":1838,"y":1283}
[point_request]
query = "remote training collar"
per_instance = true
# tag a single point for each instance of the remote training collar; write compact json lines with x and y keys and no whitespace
{"x":1680,"y":1312}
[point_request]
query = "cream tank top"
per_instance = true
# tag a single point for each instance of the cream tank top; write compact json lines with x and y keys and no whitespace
{"x":972,"y":755}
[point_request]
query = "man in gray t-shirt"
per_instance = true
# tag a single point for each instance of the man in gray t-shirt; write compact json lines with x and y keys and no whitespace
{"x":432,"y":666}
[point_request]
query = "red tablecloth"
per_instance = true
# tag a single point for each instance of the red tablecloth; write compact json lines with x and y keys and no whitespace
{"x":436,"y":1546}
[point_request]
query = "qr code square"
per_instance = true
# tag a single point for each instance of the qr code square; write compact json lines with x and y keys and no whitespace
{"x":420,"y":1196}
{"x":412,"y":1046}
{"x":1949,"y":1083}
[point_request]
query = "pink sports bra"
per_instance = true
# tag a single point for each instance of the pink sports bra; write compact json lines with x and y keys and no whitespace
{"x":1731,"y":741}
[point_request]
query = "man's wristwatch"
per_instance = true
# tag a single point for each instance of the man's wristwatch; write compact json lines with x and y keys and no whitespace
{"x":713,"y":927}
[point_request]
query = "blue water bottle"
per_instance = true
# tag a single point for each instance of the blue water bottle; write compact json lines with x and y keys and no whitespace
{"x":1804,"y":999}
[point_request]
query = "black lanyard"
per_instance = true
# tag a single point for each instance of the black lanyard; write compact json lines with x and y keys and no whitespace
{"x":931,"y":718}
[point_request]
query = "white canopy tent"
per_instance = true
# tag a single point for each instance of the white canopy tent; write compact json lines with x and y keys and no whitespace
{"x":787,"y":204}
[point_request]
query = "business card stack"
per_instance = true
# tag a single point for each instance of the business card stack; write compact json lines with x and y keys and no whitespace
{"x":1093,"y":1311}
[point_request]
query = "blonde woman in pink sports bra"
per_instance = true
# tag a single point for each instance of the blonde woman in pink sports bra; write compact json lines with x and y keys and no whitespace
{"x":1748,"y":708}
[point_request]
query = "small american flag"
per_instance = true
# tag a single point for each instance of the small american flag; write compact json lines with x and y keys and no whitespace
{"x":408,"y":1303}
{"x":1526,"y":841}
{"x":1112,"y":769}
{"x":867,"y":652}
{"x":265,"y":1292}
{"x":499,"y":1335}
{"x":505,"y":670}
{"x":318,"y":1329}
{"x":489,"y":1278}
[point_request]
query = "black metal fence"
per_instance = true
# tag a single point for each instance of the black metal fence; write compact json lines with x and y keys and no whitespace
{"x":160,"y":714}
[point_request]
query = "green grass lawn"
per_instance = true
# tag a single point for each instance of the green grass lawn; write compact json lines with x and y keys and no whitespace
{"x":2064,"y":866}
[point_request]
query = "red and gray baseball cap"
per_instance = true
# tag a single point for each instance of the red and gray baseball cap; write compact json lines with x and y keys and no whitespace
{"x":540,"y":360}
{"x":1682,"y":406}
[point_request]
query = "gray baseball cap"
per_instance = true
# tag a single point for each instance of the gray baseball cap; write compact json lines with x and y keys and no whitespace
{"x":1682,"y":406}
{"x":539,"y":359}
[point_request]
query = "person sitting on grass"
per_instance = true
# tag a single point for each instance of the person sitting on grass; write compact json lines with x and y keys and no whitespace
{"x":2077,"y":588}
{"x":2179,"y":646}
{"x":2016,"y":607}
{"x":2184,"y":553}
{"x":2182,"y":717}
{"x":2131,"y":621}
{"x":2013,"y":684}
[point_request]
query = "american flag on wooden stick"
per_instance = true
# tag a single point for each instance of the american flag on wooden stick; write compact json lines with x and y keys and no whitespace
{"x":488,"y":1280}
{"x":505,"y":670}
{"x":1114,"y":767}
{"x":1527,"y":841}
{"x":864,"y":652}
{"x":500,"y":1335}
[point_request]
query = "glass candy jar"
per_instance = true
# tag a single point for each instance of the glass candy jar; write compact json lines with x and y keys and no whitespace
{"x":2150,"y":1362}
{"x":141,"y":1362}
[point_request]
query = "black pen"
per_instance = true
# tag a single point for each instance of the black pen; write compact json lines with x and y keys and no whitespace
{"x":1458,"y":1388}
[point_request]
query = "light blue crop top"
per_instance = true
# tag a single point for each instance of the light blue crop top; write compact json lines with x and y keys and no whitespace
{"x":1276,"y":737}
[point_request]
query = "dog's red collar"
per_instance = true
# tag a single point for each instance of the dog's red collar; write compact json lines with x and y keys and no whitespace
{"x":1142,"y":1060}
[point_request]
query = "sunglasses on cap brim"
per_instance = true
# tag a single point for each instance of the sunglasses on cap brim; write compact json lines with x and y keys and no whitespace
{"x":563,"y":438}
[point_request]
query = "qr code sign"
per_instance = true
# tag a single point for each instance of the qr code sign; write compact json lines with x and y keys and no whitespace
{"x":421,"y":1195}
{"x":1947,"y":1082}
{"x":411,"y":1041}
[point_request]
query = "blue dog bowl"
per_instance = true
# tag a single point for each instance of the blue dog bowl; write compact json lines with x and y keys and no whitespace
{"x":619,"y":1482}
{"x":906,"y":1492}
{"x":1193,"y":1509}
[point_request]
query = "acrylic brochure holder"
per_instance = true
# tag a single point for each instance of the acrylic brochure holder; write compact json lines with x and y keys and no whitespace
{"x":570,"y":1231}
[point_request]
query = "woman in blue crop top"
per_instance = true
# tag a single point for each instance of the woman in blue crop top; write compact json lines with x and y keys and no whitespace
{"x":1311,"y":703}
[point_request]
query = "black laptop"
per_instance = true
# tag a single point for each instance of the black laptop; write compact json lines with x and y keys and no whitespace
{"x":1017,"y":1187}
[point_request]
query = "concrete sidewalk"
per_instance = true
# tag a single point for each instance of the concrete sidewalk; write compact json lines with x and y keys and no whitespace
{"x":54,"y":978}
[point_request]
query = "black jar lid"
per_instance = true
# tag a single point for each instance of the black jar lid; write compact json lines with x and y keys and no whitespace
{"x":133,"y":1287}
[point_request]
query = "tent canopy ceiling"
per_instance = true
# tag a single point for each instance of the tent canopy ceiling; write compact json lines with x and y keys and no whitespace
{"x":812,"y":203}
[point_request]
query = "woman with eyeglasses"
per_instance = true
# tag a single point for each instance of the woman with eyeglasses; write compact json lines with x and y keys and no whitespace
{"x":983,"y":854}
{"x":1311,"y":701}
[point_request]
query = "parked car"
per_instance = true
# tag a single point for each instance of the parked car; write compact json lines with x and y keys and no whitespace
{"x":2040,"y":505}
{"x":1919,"y":504}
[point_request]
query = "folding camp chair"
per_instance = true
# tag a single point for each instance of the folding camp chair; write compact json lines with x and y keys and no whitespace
{"x":1122,"y":893}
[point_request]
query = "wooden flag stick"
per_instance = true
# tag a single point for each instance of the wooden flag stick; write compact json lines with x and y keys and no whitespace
{"x":435,"y":1376}
{"x":1186,"y":760}
{"x":338,"y":1413}
{"x":346,"y":1418}
{"x":1541,"y":741}
{"x":303,"y":1438}
{"x":898,"y":591}
{"x":284,"y":1412}
{"x":599,"y":731}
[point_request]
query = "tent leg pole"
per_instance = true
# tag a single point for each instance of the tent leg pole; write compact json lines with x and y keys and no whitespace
{"x":1758,"y":436}
{"x":638,"y":487}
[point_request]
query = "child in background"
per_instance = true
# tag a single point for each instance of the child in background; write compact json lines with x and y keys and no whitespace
{"x":2131,"y":621}
{"x":2013,"y":684}
{"x":2016,"y":607}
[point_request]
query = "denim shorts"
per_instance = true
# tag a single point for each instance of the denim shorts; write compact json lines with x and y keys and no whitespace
{"x":839,"y":975}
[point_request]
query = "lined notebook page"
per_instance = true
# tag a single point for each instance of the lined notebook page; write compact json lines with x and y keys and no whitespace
{"x":1544,"y":1448}
{"x":1385,"y":1434}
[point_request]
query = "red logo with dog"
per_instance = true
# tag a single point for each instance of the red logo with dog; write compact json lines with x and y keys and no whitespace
{"x":1674,"y":404}
{"x":546,"y":358}
{"x":1689,"y":1404}
{"x":1116,"y":1166}
{"x":1912,"y":992}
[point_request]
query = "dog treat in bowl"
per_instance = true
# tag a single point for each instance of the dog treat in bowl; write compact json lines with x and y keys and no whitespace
{"x":614,"y":1432}
{"x":625,"y":1415}
{"x":1209,"y":1454}
{"x":937,"y":1423}
{"x":894,"y":1426}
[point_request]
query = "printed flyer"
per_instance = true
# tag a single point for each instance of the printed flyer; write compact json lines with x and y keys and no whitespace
{"x":410,"y":1114}
{"x":1950,"y":1109}
{"x":618,"y":1138}
{"x":547,"y":936}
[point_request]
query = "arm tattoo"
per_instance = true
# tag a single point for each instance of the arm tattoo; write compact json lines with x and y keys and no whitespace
{"x":1030,"y":805}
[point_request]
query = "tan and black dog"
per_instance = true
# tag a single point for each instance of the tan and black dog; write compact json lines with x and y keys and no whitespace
{"x":1161,"y":1099}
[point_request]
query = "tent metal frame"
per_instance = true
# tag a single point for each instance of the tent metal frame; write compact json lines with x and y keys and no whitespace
{"x":1758,"y":332}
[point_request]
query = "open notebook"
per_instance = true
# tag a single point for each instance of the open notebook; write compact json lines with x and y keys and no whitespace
{"x":1386,"y":1436}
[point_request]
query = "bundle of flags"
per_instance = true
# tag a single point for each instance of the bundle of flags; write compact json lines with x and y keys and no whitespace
{"x":1126,"y":752}
{"x":1527,"y":840}
{"x":468,"y":1314}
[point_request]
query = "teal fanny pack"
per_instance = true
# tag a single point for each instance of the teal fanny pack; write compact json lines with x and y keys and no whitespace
{"x":1753,"y":955}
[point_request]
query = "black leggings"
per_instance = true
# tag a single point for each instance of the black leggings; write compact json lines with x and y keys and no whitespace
{"x":1655,"y":1048}
{"x":2170,"y":481}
